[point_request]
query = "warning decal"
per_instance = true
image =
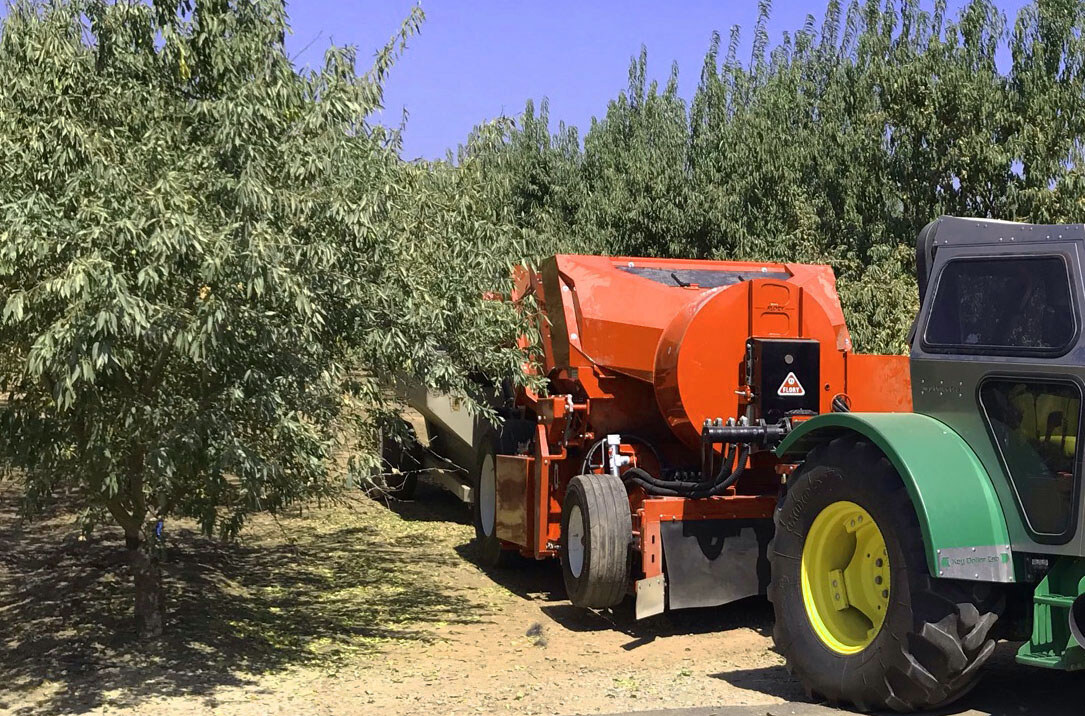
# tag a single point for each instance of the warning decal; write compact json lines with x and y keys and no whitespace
{"x":791,"y":386}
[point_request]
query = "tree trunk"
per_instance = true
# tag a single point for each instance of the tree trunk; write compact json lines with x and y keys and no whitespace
{"x":147,"y":576}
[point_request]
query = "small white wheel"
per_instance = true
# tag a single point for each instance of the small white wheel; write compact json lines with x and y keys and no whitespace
{"x":596,"y":534}
{"x":491,"y":551}
{"x":487,"y":495}
{"x":575,"y":541}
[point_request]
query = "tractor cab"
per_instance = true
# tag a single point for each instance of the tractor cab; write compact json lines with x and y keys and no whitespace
{"x":997,"y":355}
{"x":908,"y":543}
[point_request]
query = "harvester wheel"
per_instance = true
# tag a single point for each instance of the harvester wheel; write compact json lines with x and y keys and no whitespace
{"x":491,"y":552}
{"x":596,"y":531}
{"x":401,"y":462}
{"x":858,"y":616}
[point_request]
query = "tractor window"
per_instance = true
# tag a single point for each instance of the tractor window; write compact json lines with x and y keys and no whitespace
{"x":1035,"y":426}
{"x":1009,"y":306}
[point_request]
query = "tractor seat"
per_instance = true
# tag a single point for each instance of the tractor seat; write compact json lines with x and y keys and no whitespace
{"x":1048,"y":421}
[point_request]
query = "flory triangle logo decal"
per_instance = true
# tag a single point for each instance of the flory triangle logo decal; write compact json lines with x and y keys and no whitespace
{"x":791,"y":386}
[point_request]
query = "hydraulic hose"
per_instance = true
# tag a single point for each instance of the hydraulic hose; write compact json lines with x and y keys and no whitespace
{"x":588,"y":455}
{"x":689,"y":485}
{"x":659,"y":488}
{"x":730,"y":470}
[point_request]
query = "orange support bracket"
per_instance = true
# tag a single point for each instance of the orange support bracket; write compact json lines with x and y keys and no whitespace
{"x":650,"y":590}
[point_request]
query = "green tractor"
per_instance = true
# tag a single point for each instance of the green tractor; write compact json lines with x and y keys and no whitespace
{"x":908,"y":543}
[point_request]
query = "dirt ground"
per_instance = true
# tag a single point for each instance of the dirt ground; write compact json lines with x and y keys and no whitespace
{"x":371,"y":609}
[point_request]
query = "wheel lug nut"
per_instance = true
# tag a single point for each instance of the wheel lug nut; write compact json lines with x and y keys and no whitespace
{"x":878,"y":563}
{"x":878,"y":580}
{"x":885,"y":594}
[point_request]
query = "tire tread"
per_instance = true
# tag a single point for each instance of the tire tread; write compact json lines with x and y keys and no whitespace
{"x":940,"y":658}
{"x":604,"y":505}
{"x":492,"y":554}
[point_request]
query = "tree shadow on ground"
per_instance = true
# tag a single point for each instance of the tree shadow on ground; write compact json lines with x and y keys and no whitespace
{"x":542,"y":582}
{"x":534,"y":580}
{"x":337,"y":587}
{"x":1005,"y":689}
{"x":753,"y":613}
{"x":772,"y":680}
{"x":431,"y":504}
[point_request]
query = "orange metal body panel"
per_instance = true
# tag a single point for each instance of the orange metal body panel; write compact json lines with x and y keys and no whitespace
{"x":628,"y":351}
{"x":879,"y":384}
{"x":546,"y":510}
{"x":684,"y":345}
{"x":699,"y":364}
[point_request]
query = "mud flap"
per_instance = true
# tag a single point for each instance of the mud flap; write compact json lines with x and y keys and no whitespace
{"x":651,"y":596}
{"x":714,"y":562}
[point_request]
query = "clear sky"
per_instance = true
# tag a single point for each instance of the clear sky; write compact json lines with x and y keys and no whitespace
{"x":477,"y":59}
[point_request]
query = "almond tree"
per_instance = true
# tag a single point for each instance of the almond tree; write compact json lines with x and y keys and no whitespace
{"x":208,"y":260}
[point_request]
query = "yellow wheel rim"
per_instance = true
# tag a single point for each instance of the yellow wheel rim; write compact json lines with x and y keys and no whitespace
{"x":845,"y":577}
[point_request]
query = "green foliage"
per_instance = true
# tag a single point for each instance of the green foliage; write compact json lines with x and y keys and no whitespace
{"x":836,"y":145}
{"x":209,"y":261}
{"x":637,"y":196}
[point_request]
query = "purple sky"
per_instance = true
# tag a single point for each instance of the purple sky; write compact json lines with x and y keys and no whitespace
{"x":477,"y":59}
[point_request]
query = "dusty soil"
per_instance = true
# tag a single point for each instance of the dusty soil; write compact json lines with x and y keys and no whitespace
{"x":371,"y":608}
{"x":358,"y":608}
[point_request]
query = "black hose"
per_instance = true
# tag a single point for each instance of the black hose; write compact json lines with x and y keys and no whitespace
{"x":651,"y":448}
{"x":740,"y":467}
{"x":728,"y":473}
{"x":728,"y":462}
{"x":688,"y":485}
{"x":708,"y":459}
{"x":588,"y":454}
{"x":670,"y":488}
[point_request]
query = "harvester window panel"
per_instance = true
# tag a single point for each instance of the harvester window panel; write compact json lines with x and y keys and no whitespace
{"x":702,"y":278}
{"x":1036,"y":426}
{"x":1007,"y":306}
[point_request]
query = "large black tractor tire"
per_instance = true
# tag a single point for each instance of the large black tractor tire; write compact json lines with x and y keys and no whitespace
{"x":596,"y":533}
{"x":402,"y":460}
{"x":492,"y":553}
{"x":936,"y":633}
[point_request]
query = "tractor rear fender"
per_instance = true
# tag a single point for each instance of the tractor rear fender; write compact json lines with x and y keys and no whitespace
{"x":963,"y":526}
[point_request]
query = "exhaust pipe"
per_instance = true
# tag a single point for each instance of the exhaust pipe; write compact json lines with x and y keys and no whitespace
{"x":1077,"y":619}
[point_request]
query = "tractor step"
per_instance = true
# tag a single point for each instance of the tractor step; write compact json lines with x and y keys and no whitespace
{"x":1054,"y":600}
{"x":1053,"y":645}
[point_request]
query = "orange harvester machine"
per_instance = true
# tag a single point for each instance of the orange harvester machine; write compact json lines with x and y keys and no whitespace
{"x":679,"y":377}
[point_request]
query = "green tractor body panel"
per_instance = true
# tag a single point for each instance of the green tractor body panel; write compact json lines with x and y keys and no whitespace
{"x":998,"y":356}
{"x":993,"y":454}
{"x":964,"y":529}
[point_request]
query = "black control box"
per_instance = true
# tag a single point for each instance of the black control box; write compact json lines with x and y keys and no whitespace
{"x":784,"y":374}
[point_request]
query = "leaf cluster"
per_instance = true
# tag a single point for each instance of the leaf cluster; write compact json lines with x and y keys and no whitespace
{"x":209,"y":261}
{"x":836,"y":145}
